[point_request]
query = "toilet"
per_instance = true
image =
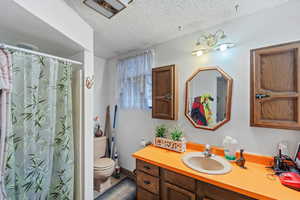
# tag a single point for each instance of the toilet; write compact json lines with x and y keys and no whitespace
{"x":103,"y":167}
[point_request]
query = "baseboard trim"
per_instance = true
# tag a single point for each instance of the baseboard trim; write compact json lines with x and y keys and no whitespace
{"x":128,"y":173}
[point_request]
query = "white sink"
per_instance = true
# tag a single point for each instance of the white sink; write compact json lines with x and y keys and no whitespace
{"x":211,"y":165}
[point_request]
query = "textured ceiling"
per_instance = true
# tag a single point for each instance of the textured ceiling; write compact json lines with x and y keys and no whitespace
{"x":19,"y":26}
{"x":148,"y":22}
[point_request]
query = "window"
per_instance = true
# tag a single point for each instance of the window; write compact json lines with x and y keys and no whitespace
{"x":135,"y":81}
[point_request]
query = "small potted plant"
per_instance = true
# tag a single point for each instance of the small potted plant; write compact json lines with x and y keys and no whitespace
{"x":161,"y":131}
{"x":160,"y":134}
{"x":177,"y":134}
{"x":176,"y":143}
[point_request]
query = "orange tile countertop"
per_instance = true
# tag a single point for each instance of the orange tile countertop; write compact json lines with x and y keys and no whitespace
{"x":256,"y":181}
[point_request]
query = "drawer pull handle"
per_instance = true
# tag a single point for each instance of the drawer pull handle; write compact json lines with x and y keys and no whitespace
{"x":147,"y":167}
{"x":261,"y":96}
{"x":147,"y":182}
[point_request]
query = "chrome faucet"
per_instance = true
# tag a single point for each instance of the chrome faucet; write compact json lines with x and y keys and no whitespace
{"x":207,"y":153}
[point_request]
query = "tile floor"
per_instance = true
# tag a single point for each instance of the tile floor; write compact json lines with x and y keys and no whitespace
{"x":114,"y":181}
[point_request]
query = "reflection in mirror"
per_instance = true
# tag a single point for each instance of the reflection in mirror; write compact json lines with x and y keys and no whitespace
{"x":208,"y":98}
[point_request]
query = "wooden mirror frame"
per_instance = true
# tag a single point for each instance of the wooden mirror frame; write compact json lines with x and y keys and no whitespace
{"x":228,"y":102}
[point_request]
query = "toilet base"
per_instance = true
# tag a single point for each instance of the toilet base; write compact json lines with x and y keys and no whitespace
{"x":100,"y":185}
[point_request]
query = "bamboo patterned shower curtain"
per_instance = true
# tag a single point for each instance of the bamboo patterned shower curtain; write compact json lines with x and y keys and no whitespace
{"x":39,"y":153}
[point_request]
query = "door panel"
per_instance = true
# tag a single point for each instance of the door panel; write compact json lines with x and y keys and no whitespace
{"x":164,"y":80}
{"x":275,"y":86}
{"x":282,"y":109}
{"x":279,"y":71}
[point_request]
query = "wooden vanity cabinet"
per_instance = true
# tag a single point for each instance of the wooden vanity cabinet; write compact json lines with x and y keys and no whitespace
{"x":147,"y":180}
{"x":164,"y":93}
{"x":154,"y":183}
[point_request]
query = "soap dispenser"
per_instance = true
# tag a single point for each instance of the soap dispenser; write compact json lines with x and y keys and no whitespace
{"x":230,"y":146}
{"x":241,"y":161}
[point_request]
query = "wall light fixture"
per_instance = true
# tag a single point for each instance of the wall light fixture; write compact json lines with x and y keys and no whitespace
{"x":211,"y":42}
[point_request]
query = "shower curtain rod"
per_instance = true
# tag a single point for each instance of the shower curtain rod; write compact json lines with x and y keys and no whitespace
{"x":5,"y":46}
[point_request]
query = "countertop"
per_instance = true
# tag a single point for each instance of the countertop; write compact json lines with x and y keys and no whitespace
{"x":256,"y":181}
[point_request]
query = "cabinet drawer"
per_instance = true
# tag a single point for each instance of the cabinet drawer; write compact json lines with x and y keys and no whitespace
{"x":147,"y":167}
{"x":182,"y":181}
{"x":172,"y":192}
{"x":148,"y":182}
{"x":145,"y":195}
{"x":208,"y":191}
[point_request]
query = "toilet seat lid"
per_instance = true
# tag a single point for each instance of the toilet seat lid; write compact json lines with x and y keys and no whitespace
{"x":103,"y":163}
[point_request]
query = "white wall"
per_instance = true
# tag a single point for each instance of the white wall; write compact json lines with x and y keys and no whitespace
{"x":265,"y":28}
{"x":101,"y":89}
{"x":101,"y":92}
{"x":64,"y":19}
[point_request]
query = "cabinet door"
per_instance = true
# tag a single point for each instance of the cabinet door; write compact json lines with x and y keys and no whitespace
{"x":149,"y":183}
{"x":145,"y":195}
{"x":164,"y":93}
{"x":172,"y":192}
{"x":207,"y":191}
{"x":180,"y":180}
{"x":275,"y":86}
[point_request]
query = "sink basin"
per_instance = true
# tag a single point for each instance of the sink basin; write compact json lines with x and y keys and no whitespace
{"x":212,"y":165}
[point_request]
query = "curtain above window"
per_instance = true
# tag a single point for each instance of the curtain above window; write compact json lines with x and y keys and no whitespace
{"x":135,"y":81}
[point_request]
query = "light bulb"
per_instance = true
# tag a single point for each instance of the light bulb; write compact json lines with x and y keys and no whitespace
{"x":223,"y":47}
{"x":199,"y":53}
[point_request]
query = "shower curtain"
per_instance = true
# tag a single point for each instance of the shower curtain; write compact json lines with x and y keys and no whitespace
{"x":39,"y":152}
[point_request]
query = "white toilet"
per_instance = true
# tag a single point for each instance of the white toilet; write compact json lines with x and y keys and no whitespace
{"x":103,"y":167}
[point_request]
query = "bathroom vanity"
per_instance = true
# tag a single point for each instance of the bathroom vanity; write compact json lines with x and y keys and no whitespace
{"x":161,"y":174}
{"x":155,"y":182}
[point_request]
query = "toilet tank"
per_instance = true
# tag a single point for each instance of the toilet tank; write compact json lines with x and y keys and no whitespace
{"x":99,"y":146}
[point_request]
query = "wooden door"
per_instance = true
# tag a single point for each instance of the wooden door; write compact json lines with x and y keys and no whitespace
{"x":175,"y":193}
{"x":164,"y":93}
{"x":275,"y":86}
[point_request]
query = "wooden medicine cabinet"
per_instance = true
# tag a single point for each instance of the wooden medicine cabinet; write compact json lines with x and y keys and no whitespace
{"x":164,"y":93}
{"x":275,"y":86}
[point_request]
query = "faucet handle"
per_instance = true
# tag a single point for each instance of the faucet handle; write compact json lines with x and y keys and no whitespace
{"x":207,"y":152}
{"x":207,"y":147}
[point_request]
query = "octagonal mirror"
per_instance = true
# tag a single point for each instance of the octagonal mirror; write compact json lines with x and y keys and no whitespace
{"x":208,"y":98}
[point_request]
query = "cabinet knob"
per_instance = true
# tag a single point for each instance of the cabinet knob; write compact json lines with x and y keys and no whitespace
{"x":168,"y":97}
{"x":147,"y":182}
